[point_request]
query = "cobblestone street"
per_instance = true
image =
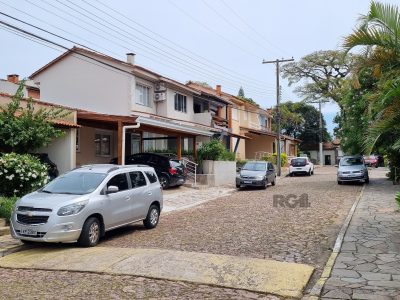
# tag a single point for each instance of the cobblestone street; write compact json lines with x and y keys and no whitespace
{"x":245,"y":223}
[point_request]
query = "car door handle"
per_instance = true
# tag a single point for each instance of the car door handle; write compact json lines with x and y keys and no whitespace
{"x":149,"y":193}
{"x":127,"y":198}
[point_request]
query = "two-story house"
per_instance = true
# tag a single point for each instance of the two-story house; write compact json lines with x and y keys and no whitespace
{"x":111,"y":94}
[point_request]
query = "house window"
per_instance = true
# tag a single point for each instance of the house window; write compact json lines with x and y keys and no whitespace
{"x":234,"y":114}
{"x":180,"y":102}
{"x":78,"y":140}
{"x":142,"y":95}
{"x":103,"y":144}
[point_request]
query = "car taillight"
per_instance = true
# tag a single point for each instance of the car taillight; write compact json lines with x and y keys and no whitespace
{"x":172,"y":171}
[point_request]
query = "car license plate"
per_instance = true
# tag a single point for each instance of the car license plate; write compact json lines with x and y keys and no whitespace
{"x":28,"y":231}
{"x":298,"y":168}
{"x":246,"y":181}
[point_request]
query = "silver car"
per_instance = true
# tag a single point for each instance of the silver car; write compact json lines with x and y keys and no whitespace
{"x":352,"y":168}
{"x":83,"y":204}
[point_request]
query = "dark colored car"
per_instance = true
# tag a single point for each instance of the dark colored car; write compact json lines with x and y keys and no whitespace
{"x":170,"y":171}
{"x":52,"y":170}
{"x":256,"y":173}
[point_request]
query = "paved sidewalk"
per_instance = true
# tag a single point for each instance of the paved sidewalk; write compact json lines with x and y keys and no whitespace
{"x":185,"y":197}
{"x":368,"y":265}
{"x":253,"y":274}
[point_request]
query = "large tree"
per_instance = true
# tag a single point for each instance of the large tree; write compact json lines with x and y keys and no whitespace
{"x":24,"y":129}
{"x":320,"y":75}
{"x":301,"y":120}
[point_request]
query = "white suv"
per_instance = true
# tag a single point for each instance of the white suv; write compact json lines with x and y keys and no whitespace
{"x":301,"y":165}
{"x":83,"y":204}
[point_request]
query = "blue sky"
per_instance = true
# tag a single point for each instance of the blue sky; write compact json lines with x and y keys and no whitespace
{"x":219,"y":42}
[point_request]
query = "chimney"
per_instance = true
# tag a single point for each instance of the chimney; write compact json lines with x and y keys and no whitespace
{"x":218,"y":89}
{"x":130,"y":58}
{"x":14,"y":78}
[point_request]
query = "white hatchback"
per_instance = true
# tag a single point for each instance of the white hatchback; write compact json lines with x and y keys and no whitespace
{"x":301,"y":165}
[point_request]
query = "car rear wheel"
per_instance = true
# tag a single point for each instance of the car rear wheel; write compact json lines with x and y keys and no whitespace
{"x":164,"y":182}
{"x":273,"y":182}
{"x":90,"y":234}
{"x":152,"y":218}
{"x":309,"y":172}
{"x":312,"y":172}
{"x":339,"y":182}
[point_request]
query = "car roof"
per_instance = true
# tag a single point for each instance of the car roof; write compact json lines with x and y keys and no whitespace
{"x":108,"y":168}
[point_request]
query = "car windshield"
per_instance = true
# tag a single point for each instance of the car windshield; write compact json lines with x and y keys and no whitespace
{"x":75,"y":183}
{"x":351,"y":161}
{"x":254,"y":167}
{"x":299,"y":161}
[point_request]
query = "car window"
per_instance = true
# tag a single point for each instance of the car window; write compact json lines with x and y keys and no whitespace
{"x":299,"y":161}
{"x":254,"y":167}
{"x":78,"y":183}
{"x":351,"y":161}
{"x":137,"y":179}
{"x":151,"y":176}
{"x":120,"y":181}
{"x":270,"y":166}
{"x":175,"y":163}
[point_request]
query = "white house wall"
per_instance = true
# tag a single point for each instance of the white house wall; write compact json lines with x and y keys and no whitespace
{"x":62,"y":151}
{"x":76,"y":81}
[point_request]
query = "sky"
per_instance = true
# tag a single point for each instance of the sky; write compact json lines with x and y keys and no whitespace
{"x":214,"y":41}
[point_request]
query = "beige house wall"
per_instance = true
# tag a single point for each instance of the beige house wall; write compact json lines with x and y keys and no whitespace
{"x":259,"y":143}
{"x":86,"y":154}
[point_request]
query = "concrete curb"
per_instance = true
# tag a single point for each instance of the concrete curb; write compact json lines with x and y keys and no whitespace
{"x":316,"y":291}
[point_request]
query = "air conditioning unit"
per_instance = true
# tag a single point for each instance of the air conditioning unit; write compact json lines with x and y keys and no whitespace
{"x":160,"y":87}
{"x":160,"y":97}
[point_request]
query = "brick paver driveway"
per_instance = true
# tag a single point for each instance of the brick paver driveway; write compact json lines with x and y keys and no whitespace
{"x":245,"y":223}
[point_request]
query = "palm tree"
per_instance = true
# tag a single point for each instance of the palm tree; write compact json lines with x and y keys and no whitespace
{"x":379,"y":36}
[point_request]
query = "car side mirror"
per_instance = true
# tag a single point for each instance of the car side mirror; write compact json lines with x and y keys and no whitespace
{"x":112,"y":189}
{"x":238,"y":169}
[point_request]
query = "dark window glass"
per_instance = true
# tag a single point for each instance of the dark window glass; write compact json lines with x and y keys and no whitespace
{"x":250,"y":166}
{"x":180,"y":102}
{"x":120,"y":181}
{"x":137,"y":179}
{"x":151,"y":176}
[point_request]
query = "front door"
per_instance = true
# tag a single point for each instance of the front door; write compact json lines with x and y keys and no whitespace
{"x":327,"y":160}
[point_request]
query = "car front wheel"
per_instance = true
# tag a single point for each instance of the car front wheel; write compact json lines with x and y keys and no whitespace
{"x":152,"y":218}
{"x":90,"y":234}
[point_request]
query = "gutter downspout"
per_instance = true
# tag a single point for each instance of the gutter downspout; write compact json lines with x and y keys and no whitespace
{"x":124,"y":128}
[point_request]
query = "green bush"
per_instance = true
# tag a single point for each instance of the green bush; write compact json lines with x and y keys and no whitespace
{"x":21,"y":174}
{"x":6,"y":206}
{"x":273,"y":158}
{"x":215,"y":150}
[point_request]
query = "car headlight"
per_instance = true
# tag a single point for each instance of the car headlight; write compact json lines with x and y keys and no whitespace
{"x":260,"y":177}
{"x":72,"y":209}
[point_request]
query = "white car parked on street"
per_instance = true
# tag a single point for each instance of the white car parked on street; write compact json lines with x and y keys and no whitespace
{"x":83,"y":204}
{"x":301,"y":165}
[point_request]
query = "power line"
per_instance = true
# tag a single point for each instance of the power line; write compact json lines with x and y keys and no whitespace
{"x":185,"y":51}
{"x":251,"y":27}
{"x":211,"y":30}
{"x":45,"y":42}
{"x":177,"y":60}
{"x":233,"y":25}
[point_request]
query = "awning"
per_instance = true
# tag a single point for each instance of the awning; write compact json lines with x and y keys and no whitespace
{"x":65,"y":124}
{"x":175,"y":126}
{"x":239,"y":136}
{"x":259,"y":132}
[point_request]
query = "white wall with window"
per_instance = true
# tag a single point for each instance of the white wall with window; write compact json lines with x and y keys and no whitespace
{"x":180,"y":103}
{"x":235,"y":114}
{"x":143,"y":95}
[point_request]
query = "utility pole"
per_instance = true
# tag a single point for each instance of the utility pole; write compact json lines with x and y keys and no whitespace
{"x":321,"y":163}
{"x":278,"y":116}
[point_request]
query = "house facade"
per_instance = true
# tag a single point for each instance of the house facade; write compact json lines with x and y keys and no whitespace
{"x":111,"y":94}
